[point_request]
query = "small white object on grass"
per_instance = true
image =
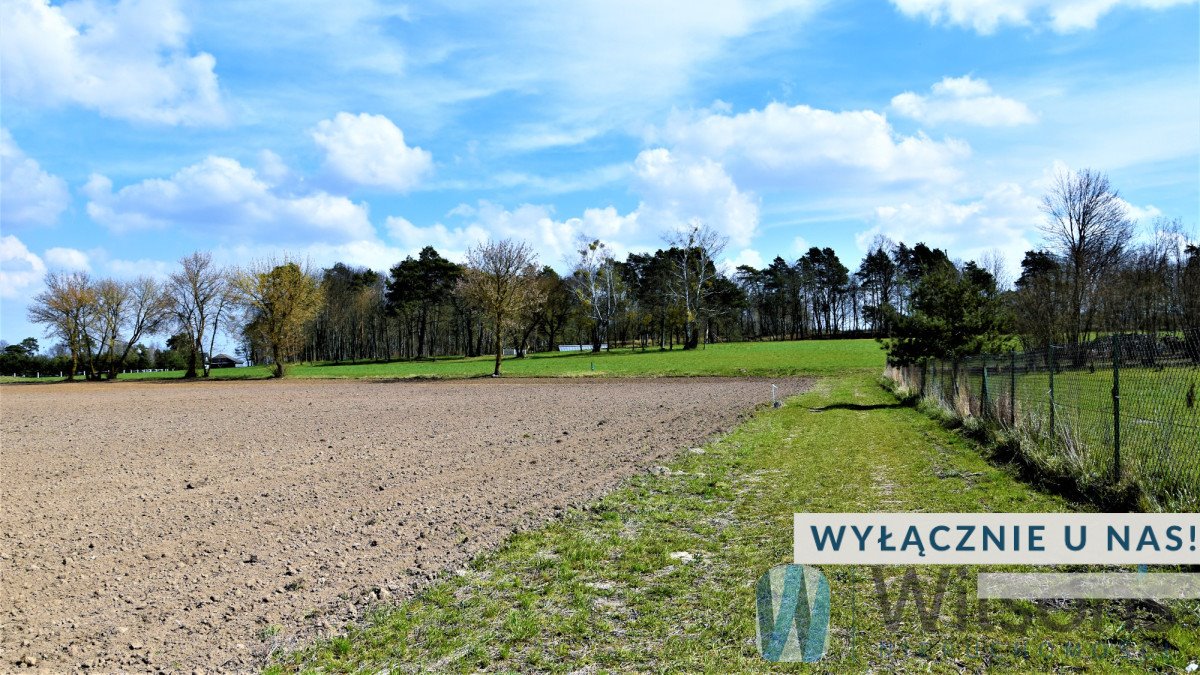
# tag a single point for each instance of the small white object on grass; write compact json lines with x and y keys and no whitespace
{"x":683,"y":557}
{"x":1192,"y":667}
{"x":696,"y":451}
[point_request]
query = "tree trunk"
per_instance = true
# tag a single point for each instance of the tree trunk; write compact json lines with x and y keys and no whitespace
{"x":422,"y":320}
{"x":499,"y":345}
{"x":191,"y":364}
{"x":278,"y":362}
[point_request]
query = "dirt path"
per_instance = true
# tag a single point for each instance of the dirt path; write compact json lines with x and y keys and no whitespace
{"x":193,"y":526}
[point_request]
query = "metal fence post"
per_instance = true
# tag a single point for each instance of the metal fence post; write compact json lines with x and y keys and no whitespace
{"x":1116,"y":399}
{"x":954,"y":385}
{"x":983,"y":393}
{"x":1051,"y":391}
{"x":1012,"y":388}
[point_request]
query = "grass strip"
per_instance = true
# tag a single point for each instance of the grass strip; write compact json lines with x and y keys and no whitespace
{"x":601,"y":590}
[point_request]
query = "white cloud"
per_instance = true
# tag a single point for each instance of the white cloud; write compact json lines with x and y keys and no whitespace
{"x":746,"y":256}
{"x":1141,"y":214}
{"x":219,"y":196}
{"x":800,"y":246}
{"x":365,"y":252}
{"x":452,"y":243}
{"x":20,"y":268}
{"x":603,"y":63}
{"x":370,"y":150}
{"x":1048,"y":180}
{"x":1004,"y":218}
{"x":678,"y":193}
{"x":67,"y":259}
{"x":787,"y":146}
{"x":128,"y":60}
{"x":272,"y":168}
{"x":966,"y":100}
{"x":28,"y":195}
{"x":984,"y":16}
{"x":555,"y":241}
{"x":128,"y":269}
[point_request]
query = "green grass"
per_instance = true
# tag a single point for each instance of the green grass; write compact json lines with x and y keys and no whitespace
{"x":1160,"y":432}
{"x":600,"y":589}
{"x":767,"y":359}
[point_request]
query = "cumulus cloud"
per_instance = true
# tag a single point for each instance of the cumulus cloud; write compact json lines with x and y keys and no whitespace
{"x":1063,"y":16}
{"x":965,"y":100}
{"x":129,"y":60}
{"x":678,"y":193}
{"x":746,"y":256}
{"x":790,"y":145}
{"x":1002,"y":219}
{"x":370,"y":150}
{"x":28,"y":195}
{"x":67,"y":259}
{"x":451,"y":242}
{"x":222,"y":197}
{"x":1141,"y":214}
{"x":20,"y":268}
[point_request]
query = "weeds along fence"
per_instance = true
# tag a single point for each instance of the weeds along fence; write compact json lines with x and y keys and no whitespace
{"x":1106,"y":414}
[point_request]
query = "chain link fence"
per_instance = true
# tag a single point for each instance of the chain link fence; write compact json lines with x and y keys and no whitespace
{"x":1119,"y":408}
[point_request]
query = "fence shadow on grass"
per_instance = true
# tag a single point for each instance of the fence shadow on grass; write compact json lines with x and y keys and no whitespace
{"x":857,"y":406}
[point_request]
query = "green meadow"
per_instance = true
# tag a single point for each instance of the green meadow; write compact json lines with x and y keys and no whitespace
{"x":765,"y":359}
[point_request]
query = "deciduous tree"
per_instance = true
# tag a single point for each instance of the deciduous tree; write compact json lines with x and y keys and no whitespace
{"x":695,"y":251}
{"x":501,"y":279}
{"x":1087,"y":225}
{"x":200,"y":293}
{"x":66,"y":308}
{"x":280,"y":300}
{"x":598,"y":287}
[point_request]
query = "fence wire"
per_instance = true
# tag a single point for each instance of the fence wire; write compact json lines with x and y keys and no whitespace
{"x":1122,"y":406}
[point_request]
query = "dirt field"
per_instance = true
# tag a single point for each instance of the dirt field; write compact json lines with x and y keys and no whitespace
{"x":196,"y":526}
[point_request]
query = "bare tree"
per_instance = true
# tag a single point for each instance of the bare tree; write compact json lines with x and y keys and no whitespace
{"x":127,"y":312}
{"x":501,"y":279}
{"x":695,"y":251}
{"x":1087,"y":226}
{"x":66,"y":308}
{"x":200,"y":291}
{"x":598,"y":287}
{"x":993,"y":261}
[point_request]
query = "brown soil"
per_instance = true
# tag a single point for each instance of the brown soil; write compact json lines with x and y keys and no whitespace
{"x":175,"y":526}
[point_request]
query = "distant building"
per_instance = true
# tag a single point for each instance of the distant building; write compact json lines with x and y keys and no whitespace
{"x":223,"y":361}
{"x":580,"y":348}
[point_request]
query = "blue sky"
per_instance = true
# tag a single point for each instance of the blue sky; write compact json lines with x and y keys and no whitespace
{"x":137,"y":132}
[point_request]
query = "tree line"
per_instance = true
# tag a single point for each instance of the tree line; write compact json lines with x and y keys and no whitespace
{"x":1092,"y":276}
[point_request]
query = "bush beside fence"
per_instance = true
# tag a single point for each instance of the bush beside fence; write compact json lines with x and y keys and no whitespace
{"x":1115,"y":411}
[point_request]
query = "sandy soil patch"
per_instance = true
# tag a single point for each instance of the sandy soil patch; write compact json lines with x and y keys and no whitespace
{"x":195,"y":526}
